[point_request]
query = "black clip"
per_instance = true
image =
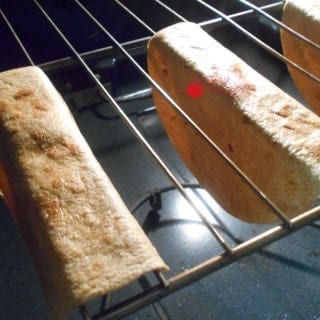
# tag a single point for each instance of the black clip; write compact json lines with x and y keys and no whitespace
{"x":155,"y":200}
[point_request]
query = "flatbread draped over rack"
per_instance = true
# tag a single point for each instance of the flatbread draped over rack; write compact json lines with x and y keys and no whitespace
{"x":304,"y":18}
{"x":82,"y":238}
{"x":271,"y":137}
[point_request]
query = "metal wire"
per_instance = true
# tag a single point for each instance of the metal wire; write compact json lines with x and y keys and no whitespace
{"x":207,"y":267}
{"x":175,"y":13}
{"x":239,"y":14}
{"x":250,"y":183}
{"x":141,"y":138}
{"x":280,"y":24}
{"x":17,"y":38}
{"x":259,"y":42}
{"x":174,"y":283}
{"x":100,"y":52}
{"x":130,"y":124}
{"x":84,"y":312}
{"x":126,"y":9}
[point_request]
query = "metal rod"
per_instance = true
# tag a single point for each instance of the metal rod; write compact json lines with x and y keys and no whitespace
{"x":17,"y":38}
{"x":259,"y":42}
{"x":84,"y":312}
{"x":135,"y":16}
{"x":93,"y":54}
{"x":189,"y":276}
{"x":138,"y":134}
{"x":132,"y":127}
{"x":162,"y":279}
{"x":280,"y":24}
{"x":175,"y":13}
{"x":258,"y":192}
{"x":133,"y":44}
{"x":239,"y":14}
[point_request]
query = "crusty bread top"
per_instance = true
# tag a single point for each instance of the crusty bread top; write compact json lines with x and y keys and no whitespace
{"x":286,"y":122}
{"x":83,"y":239}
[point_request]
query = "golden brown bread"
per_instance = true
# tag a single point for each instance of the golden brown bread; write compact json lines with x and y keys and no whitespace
{"x":303,"y":17}
{"x":269,"y":135}
{"x":82,"y":238}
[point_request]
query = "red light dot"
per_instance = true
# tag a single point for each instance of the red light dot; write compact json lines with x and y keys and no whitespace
{"x":195,"y":90}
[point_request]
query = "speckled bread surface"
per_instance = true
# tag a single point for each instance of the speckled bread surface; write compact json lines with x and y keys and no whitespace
{"x":274,"y":139}
{"x":304,"y":17}
{"x":82,"y":238}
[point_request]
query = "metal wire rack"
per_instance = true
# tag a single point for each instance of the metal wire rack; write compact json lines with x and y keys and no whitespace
{"x":229,"y":253}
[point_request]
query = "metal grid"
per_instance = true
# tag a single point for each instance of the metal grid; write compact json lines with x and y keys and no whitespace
{"x":229,"y":253}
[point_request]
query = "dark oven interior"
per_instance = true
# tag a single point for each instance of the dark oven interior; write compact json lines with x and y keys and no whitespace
{"x":263,"y":278}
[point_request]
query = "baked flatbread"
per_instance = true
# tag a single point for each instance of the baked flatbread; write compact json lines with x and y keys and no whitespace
{"x":270,"y":136}
{"x":304,"y":17}
{"x":82,"y":238}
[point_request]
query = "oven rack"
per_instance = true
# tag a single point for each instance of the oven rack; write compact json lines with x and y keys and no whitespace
{"x":229,"y":254}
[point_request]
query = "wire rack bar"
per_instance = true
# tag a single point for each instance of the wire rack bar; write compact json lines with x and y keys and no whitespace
{"x":140,"y":42}
{"x":279,"y":23}
{"x":259,"y":42}
{"x":23,"y":48}
{"x":132,"y":14}
{"x":235,"y":16}
{"x":84,"y":312}
{"x":108,"y":51}
{"x":207,"y":267}
{"x":250,"y":183}
{"x":134,"y":130}
{"x":147,"y":146}
{"x":167,"y":286}
{"x":175,"y":13}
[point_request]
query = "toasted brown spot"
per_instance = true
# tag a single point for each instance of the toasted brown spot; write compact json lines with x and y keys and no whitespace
{"x":236,"y":68}
{"x":284,"y":111}
{"x":54,"y":152}
{"x":314,"y":150}
{"x":15,"y":114}
{"x":76,"y":185}
{"x":252,"y":87}
{"x":26,"y":92}
{"x":248,"y":87}
{"x":48,"y":169}
{"x":306,"y":121}
{"x":57,"y":184}
{"x":76,"y":188}
{"x":288,"y":126}
{"x":39,"y":105}
{"x":4,"y":105}
{"x":51,"y":205}
{"x":39,"y":138}
{"x":55,"y":148}
{"x":72,"y":147}
{"x":230,"y":147}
